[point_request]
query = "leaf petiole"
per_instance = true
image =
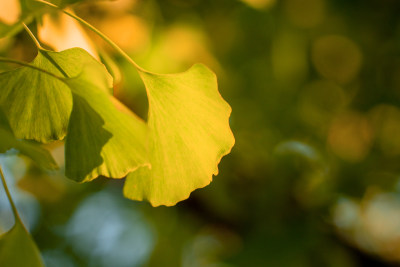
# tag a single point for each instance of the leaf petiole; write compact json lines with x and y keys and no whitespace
{"x":13,"y":207}
{"x":99,"y":33}
{"x":34,"y":39}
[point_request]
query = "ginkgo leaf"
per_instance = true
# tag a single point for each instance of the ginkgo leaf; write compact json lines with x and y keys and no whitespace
{"x":189,"y":134}
{"x":17,"y":248}
{"x":39,"y":155}
{"x":101,"y":139}
{"x":36,"y":104}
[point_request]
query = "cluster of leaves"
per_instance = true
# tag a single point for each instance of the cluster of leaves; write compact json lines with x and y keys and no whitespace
{"x":68,"y":95}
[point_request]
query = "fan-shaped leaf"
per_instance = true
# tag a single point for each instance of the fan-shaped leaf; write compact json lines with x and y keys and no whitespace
{"x":17,"y":248}
{"x":189,"y":133}
{"x":36,"y":104}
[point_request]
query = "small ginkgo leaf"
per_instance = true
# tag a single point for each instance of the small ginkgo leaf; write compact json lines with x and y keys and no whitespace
{"x":101,"y":140}
{"x":34,"y":151}
{"x":189,"y":134}
{"x":36,"y":104}
{"x":17,"y":248}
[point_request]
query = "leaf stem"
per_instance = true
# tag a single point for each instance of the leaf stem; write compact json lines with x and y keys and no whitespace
{"x":99,"y":33}
{"x":25,"y":64}
{"x":13,"y":207}
{"x":34,"y":39}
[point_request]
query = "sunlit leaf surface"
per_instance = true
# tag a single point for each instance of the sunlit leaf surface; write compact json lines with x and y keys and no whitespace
{"x":189,"y":133}
{"x":36,"y":104}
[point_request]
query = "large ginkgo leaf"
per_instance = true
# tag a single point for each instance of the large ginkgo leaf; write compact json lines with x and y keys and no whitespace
{"x":101,"y":140}
{"x":189,"y":134}
{"x":36,"y":104}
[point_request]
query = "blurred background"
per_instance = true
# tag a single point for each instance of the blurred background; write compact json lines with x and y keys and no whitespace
{"x":313,"y":179}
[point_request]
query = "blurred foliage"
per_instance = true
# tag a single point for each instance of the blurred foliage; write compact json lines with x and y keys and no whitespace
{"x":314,"y":177}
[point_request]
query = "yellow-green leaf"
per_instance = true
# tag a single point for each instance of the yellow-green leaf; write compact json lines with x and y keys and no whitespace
{"x":37,"y":105}
{"x":189,"y":134}
{"x":17,"y":248}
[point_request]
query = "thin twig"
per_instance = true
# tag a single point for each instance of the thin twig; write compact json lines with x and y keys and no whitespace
{"x":13,"y":207}
{"x":92,"y":28}
{"x":34,"y":39}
